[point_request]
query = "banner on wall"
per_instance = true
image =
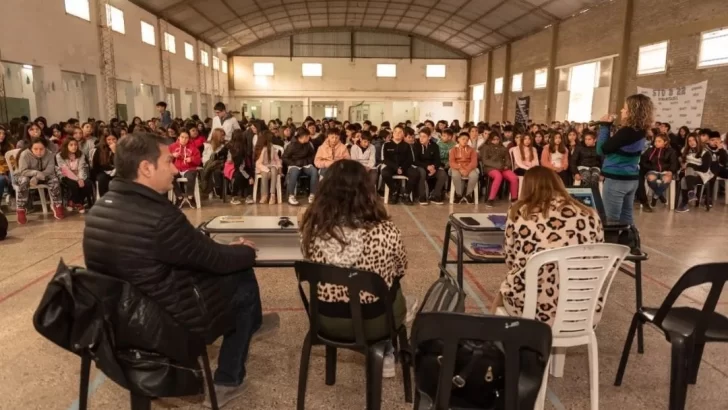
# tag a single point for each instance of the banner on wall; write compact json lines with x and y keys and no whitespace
{"x":523,"y":108}
{"x":678,"y":106}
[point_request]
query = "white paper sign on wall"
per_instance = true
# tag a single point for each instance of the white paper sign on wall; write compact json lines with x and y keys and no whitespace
{"x":678,"y":106}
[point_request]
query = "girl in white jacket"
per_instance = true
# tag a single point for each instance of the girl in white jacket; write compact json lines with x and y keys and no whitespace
{"x":364,"y":153}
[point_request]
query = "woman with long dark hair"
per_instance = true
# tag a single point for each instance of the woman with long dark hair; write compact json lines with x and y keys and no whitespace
{"x":268,"y":165}
{"x":348,"y":226}
{"x":73,"y":171}
{"x":696,"y":161}
{"x":621,"y":153}
{"x":102,"y":164}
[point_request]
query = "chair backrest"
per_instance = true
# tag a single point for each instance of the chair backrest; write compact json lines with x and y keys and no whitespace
{"x":516,"y":335}
{"x":715,"y":274}
{"x":585,"y":273}
{"x":357,"y":281}
{"x":11,"y":157}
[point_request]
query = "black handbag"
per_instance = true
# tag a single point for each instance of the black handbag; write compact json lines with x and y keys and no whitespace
{"x":479,"y":379}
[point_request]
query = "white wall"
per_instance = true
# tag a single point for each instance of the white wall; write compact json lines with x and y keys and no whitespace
{"x":55,"y":43}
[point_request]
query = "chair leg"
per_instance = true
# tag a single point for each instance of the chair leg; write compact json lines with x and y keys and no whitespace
{"x":375,"y":365}
{"x":43,"y":204}
{"x":593,"y":349}
{"x":386,"y":194}
{"x":198,"y":198}
{"x":418,"y":399}
{"x":140,"y":402}
{"x":303,"y":373}
{"x":404,"y":358}
{"x":83,"y":388}
{"x":694,"y":362}
{"x":452,"y":193}
{"x":330,"y":365}
{"x":541,"y":398}
{"x":678,"y":374}
{"x":558,"y":358}
{"x":625,"y":351}
{"x":208,"y":380}
{"x":224,"y":189}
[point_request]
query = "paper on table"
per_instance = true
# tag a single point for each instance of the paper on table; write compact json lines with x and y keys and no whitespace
{"x":231,"y":219}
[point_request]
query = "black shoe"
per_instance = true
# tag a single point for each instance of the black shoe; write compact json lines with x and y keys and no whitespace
{"x":469,"y":199}
{"x":394,"y":199}
{"x":647,"y":208}
{"x":178,"y":202}
{"x":489,"y":203}
{"x":653,"y":202}
{"x":406,"y":200}
{"x":192,"y":202}
{"x":438,"y":200}
{"x":458,"y":199}
{"x":423,"y":200}
{"x":662,"y":199}
{"x":708,"y":205}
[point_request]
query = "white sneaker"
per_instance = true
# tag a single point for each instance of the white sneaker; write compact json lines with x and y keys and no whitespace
{"x":388,"y":368}
{"x":310,"y":199}
{"x":292,"y":200}
{"x":235,"y":201}
{"x":249,"y":200}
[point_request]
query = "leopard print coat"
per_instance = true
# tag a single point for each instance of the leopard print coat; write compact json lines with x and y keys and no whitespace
{"x":378,"y":249}
{"x":566,"y":225}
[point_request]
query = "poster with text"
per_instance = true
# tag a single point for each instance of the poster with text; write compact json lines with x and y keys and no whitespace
{"x":523,"y":108}
{"x":678,"y":106}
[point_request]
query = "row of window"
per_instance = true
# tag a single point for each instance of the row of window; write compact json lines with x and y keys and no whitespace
{"x":713,"y":52}
{"x":316,"y":70}
{"x":115,"y":21}
{"x":540,"y":81}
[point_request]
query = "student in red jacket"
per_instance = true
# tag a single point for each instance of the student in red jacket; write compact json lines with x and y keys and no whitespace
{"x":187,"y":159}
{"x":197,"y":140}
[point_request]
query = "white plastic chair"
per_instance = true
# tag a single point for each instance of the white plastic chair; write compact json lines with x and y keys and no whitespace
{"x":402,"y":178}
{"x":716,"y":189}
{"x":476,"y":191}
{"x":279,"y":194}
{"x":183,"y":180}
{"x":42,"y":188}
{"x":585,"y":273}
{"x":671,"y":190}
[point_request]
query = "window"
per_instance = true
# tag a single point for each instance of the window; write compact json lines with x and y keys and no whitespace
{"x":542,"y":77}
{"x":435,"y":71}
{"x":331,"y":112}
{"x":189,"y":52}
{"x":517,"y":83}
{"x":215,"y":63}
{"x":148,"y":34}
{"x":115,"y":19}
{"x":498,"y":86}
{"x":263,"y":69}
{"x":78,"y":8}
{"x":312,"y":70}
{"x":478,"y":95}
{"x":204,"y":58}
{"x":652,"y":59}
{"x":582,"y":81}
{"x":224,"y":66}
{"x":170,"y":44}
{"x":387,"y":70}
{"x":713,"y":48}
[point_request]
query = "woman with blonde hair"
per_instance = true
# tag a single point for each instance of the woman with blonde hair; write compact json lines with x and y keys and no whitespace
{"x":621,"y":153}
{"x":546,"y":217}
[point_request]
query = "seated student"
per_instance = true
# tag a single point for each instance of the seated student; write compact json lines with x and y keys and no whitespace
{"x":546,"y":208}
{"x":556,"y":157}
{"x":239,"y":168}
{"x":197,"y":140}
{"x":524,"y":155}
{"x":5,"y":146}
{"x":363,"y":153}
{"x":298,"y":157}
{"x":317,"y":138}
{"x":696,"y":171}
{"x":214,"y":154}
{"x":585,"y":164}
{"x":329,"y":152}
{"x":398,"y":159}
{"x":445,"y":144}
{"x":348,"y":226}
{"x":660,"y":164}
{"x":476,"y":137}
{"x":428,"y":163}
{"x":73,"y":171}
{"x":268,"y":165}
{"x":718,"y":163}
{"x":187,"y":159}
{"x":497,"y":166}
{"x":464,"y":163}
{"x":36,"y":165}
{"x":409,"y":135}
{"x":102,"y":163}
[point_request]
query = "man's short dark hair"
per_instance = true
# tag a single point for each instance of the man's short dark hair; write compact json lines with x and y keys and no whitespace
{"x":429,"y":122}
{"x":333,"y":131}
{"x":162,"y":104}
{"x":302,"y":132}
{"x":366,"y":135}
{"x":426,"y":131}
{"x":135,"y":148}
{"x":667,"y":125}
{"x":409,"y":131}
{"x":219,"y":106}
{"x":449,"y":132}
{"x":714,"y":134}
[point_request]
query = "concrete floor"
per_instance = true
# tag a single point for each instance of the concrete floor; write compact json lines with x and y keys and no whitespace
{"x":36,"y":374}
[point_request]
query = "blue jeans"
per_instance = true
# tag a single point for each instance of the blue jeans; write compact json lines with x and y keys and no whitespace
{"x":295,"y":172}
{"x":657,"y":186}
{"x":618,"y":197}
{"x":236,"y":343}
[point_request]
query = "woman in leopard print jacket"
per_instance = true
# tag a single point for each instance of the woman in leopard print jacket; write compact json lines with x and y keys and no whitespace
{"x":546,"y":218}
{"x":347,"y":225}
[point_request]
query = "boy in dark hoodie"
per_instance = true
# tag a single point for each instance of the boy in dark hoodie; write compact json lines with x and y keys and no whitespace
{"x":299,"y":156}
{"x":398,"y":160}
{"x":719,"y":160}
{"x":585,"y":164}
{"x":660,"y":164}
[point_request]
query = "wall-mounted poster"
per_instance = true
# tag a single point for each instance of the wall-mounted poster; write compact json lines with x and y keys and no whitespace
{"x":523,"y":110}
{"x":678,"y":106}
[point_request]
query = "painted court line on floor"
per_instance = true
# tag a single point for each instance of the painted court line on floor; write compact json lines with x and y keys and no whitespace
{"x":553,"y":398}
{"x":28,"y":285}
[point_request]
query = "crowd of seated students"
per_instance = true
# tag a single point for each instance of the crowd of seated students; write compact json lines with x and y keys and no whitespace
{"x":415,"y":163}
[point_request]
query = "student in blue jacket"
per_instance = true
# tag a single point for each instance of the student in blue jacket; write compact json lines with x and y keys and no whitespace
{"x":621,"y":153}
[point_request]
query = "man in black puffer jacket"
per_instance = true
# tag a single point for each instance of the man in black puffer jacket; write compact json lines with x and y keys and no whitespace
{"x":135,"y":234}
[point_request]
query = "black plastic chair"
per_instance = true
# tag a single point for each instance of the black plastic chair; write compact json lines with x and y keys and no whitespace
{"x":686,"y":328}
{"x":356,"y":281}
{"x":519,"y":338}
